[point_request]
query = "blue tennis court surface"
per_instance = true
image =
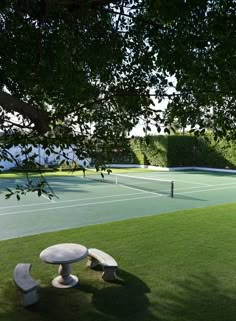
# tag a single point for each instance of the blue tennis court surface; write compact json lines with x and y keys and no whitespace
{"x":84,"y":202}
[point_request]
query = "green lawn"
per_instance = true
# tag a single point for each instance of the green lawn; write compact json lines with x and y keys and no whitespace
{"x":15,"y":175}
{"x":173,"y":267}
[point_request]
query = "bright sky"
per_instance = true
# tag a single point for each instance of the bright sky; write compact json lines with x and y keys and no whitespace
{"x":138,"y":130}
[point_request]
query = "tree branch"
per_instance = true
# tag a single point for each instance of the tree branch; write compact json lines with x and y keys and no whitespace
{"x":18,"y":125}
{"x":40,"y":118}
{"x":86,"y":3}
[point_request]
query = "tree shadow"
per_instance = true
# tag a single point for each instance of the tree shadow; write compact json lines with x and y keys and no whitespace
{"x":185,"y":197}
{"x":193,"y":298}
{"x":93,"y":299}
{"x":124,"y":299}
{"x":197,"y":299}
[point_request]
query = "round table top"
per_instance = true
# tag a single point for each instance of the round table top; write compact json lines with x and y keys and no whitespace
{"x":64,"y":253}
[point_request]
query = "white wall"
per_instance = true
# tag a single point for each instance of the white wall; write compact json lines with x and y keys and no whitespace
{"x":42,"y":157}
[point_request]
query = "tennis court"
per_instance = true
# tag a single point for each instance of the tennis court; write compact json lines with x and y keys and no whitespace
{"x":85,"y":201}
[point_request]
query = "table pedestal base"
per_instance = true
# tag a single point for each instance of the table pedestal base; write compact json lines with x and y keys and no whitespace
{"x":65,"y":279}
{"x":59,"y":282}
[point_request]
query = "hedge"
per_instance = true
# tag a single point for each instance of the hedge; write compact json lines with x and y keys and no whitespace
{"x":189,"y":150}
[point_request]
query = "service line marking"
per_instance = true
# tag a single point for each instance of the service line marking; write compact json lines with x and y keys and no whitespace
{"x":78,"y":205}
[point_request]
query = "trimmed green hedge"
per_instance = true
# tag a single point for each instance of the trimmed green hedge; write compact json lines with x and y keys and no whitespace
{"x":211,"y":153}
{"x":137,"y":146}
{"x":189,"y":150}
{"x":163,"y":150}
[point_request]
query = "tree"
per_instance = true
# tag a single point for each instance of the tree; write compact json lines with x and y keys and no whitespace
{"x":67,"y":64}
{"x":197,"y":44}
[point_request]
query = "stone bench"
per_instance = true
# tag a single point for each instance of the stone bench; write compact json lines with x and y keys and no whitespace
{"x":26,"y":284}
{"x":97,"y":257}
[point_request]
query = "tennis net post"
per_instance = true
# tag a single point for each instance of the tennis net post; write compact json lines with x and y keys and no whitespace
{"x":172,"y":189}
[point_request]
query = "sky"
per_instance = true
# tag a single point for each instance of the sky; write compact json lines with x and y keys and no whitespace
{"x":138,"y":130}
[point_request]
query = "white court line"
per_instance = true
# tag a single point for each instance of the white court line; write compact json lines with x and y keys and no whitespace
{"x":112,"y":201}
{"x":234,"y":183}
{"x":44,"y":196}
{"x":74,"y":200}
{"x":191,"y":187}
{"x":78,"y":185}
{"x":145,"y":179}
{"x":78,"y":205}
{"x":206,"y":190}
{"x":225,"y":177}
{"x":172,"y":178}
{"x":119,"y":195}
{"x":141,"y":178}
{"x":190,"y":182}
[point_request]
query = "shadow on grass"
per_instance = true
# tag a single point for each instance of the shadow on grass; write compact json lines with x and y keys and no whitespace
{"x":196,"y":299}
{"x":124,"y":299}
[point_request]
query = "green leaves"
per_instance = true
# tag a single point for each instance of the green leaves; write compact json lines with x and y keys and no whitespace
{"x":194,"y":46}
{"x":29,"y":187}
{"x":83,"y":75}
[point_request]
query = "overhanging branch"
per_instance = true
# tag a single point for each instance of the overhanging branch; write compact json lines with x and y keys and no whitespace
{"x":11,"y":104}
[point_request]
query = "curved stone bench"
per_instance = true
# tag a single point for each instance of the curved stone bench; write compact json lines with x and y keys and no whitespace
{"x":97,"y":257}
{"x":26,"y":283}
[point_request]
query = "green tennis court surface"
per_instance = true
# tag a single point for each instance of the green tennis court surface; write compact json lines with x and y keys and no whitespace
{"x":84,"y":201}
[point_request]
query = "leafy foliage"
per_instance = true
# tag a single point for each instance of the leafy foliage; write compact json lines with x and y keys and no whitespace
{"x":138,"y":149}
{"x":31,"y":186}
{"x":83,"y":73}
{"x":198,"y":46}
{"x":189,"y":150}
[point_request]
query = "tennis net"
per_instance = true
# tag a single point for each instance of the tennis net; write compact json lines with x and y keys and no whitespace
{"x":144,"y":184}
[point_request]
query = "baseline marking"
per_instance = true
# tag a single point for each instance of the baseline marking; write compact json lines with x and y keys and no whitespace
{"x":192,"y":187}
{"x":66,"y":201}
{"x":206,"y":190}
{"x":77,"y":205}
{"x":112,"y":201}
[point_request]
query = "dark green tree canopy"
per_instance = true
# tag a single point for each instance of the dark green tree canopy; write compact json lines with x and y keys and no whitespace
{"x":67,"y":65}
{"x":198,"y":46}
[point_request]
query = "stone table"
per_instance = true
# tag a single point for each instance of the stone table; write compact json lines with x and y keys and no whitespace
{"x":64,"y":254}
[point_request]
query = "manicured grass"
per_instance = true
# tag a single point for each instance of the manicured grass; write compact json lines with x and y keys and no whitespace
{"x":173,"y":267}
{"x":15,"y":175}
